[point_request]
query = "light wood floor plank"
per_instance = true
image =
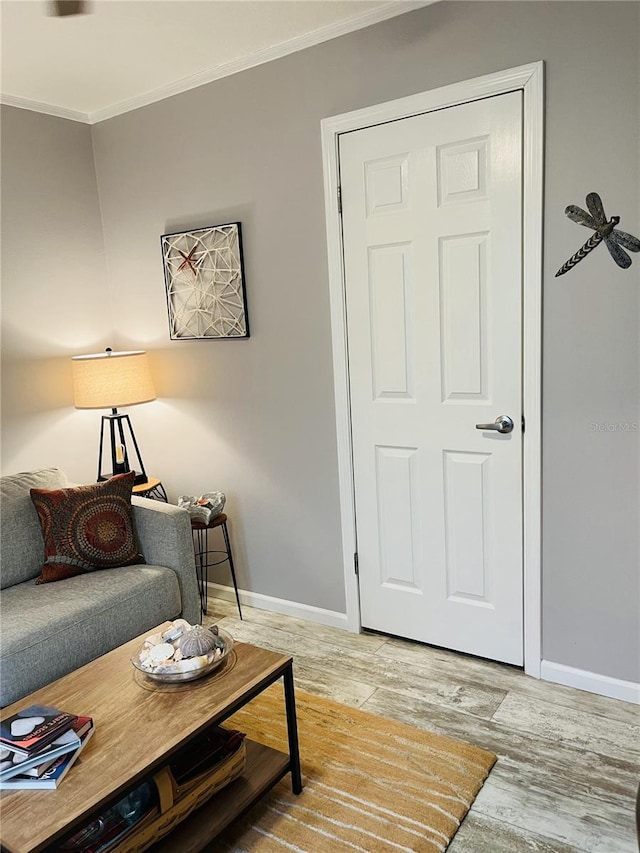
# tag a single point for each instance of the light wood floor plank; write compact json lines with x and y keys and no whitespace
{"x":565,"y":818}
{"x":481,"y":834}
{"x":313,"y":630}
{"x":323,"y":682}
{"x":509,"y":678}
{"x":368,"y":668}
{"x":575,"y":728}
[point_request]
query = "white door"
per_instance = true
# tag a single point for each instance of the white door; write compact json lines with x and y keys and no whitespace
{"x":432,"y":228}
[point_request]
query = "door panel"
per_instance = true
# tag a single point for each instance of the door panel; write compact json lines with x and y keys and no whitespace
{"x":463,"y":284}
{"x":467,"y":494}
{"x":391,"y":312}
{"x":398,"y":516}
{"x":432,"y":252}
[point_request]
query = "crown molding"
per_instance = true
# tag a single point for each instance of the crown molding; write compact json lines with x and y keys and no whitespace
{"x":40,"y":107}
{"x":209,"y":75}
{"x":374,"y":16}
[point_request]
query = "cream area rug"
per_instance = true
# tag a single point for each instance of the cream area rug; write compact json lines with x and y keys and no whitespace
{"x":371,"y":785}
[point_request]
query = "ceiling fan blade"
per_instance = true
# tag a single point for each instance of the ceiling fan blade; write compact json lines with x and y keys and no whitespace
{"x":62,"y":8}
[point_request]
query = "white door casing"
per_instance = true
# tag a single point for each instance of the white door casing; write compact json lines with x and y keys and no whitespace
{"x":431,"y":209}
{"x":529,"y":80}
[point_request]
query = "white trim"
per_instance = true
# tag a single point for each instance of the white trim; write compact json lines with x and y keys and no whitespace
{"x":358,"y":22}
{"x":40,"y":107}
{"x":338,"y":310}
{"x":208,"y":75}
{"x":592,"y":682}
{"x":280,"y":605}
{"x":529,"y":78}
{"x":533,"y":214}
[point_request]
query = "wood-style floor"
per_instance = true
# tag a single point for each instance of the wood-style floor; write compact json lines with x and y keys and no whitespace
{"x":569,"y":761}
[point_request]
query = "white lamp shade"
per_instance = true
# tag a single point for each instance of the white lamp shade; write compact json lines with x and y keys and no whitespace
{"x":108,"y":380}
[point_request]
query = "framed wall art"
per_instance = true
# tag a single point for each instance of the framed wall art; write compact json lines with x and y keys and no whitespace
{"x":204,"y":279}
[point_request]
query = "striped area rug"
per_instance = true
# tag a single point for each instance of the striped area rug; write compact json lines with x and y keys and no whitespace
{"x":371,"y":785}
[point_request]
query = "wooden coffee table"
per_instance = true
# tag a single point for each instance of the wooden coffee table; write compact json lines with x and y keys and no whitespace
{"x":139,"y":724}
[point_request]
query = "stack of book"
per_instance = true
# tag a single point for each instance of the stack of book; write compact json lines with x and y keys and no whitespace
{"x":39,"y":745}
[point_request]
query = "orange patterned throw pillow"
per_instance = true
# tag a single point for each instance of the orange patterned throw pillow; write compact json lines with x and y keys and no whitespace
{"x":86,"y":528}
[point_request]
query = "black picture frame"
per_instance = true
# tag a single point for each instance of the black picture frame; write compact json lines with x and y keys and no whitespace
{"x":205,"y":283}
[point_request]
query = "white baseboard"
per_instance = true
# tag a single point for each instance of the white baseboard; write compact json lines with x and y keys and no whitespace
{"x":280,"y":605}
{"x":592,"y":682}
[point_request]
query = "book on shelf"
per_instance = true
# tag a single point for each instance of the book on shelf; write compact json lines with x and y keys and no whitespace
{"x":58,"y":769}
{"x":32,"y":729}
{"x":12,"y":765}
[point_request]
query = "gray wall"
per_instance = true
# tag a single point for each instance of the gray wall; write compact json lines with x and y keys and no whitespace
{"x":54,"y":298}
{"x":256,"y":418}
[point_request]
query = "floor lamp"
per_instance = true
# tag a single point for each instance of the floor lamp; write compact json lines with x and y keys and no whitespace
{"x":108,"y":380}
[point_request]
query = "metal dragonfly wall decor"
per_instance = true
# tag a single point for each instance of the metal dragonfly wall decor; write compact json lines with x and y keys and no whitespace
{"x":605,"y":230}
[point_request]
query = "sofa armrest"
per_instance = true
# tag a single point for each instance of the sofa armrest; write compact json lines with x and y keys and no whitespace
{"x":164,"y":533}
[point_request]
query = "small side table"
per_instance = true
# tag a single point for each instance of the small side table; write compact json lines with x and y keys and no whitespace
{"x":153,"y":489}
{"x":207,"y":558}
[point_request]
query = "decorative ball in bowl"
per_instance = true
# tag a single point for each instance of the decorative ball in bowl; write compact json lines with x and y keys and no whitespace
{"x":183,"y":652}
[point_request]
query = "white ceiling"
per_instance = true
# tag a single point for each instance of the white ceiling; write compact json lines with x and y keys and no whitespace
{"x":128,"y":53}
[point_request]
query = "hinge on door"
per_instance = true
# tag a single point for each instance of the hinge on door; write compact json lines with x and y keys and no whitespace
{"x":340,"y":200}
{"x":356,"y":565}
{"x":522,"y":423}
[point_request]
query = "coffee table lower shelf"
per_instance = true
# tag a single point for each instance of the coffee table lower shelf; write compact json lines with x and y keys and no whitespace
{"x":264,"y":768}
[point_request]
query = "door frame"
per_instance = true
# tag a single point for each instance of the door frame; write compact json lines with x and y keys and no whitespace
{"x":529,"y":79}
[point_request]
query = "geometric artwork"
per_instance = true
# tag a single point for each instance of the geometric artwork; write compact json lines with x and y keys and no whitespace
{"x":204,"y":278}
{"x":605,"y":230}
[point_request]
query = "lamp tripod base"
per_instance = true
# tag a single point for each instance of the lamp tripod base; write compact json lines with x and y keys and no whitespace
{"x":138,"y":479}
{"x":118,"y":446}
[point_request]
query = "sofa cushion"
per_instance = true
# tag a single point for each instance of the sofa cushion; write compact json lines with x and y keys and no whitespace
{"x":22,"y":546}
{"x":48,"y":630}
{"x":86,"y":528}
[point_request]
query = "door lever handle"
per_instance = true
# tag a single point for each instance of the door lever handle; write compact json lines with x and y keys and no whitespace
{"x":502,"y":424}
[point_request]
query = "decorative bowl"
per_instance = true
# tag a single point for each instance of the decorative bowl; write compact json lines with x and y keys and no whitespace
{"x":191,"y":675}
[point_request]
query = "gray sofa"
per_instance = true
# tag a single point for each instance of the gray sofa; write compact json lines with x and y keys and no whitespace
{"x":47,"y":630}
